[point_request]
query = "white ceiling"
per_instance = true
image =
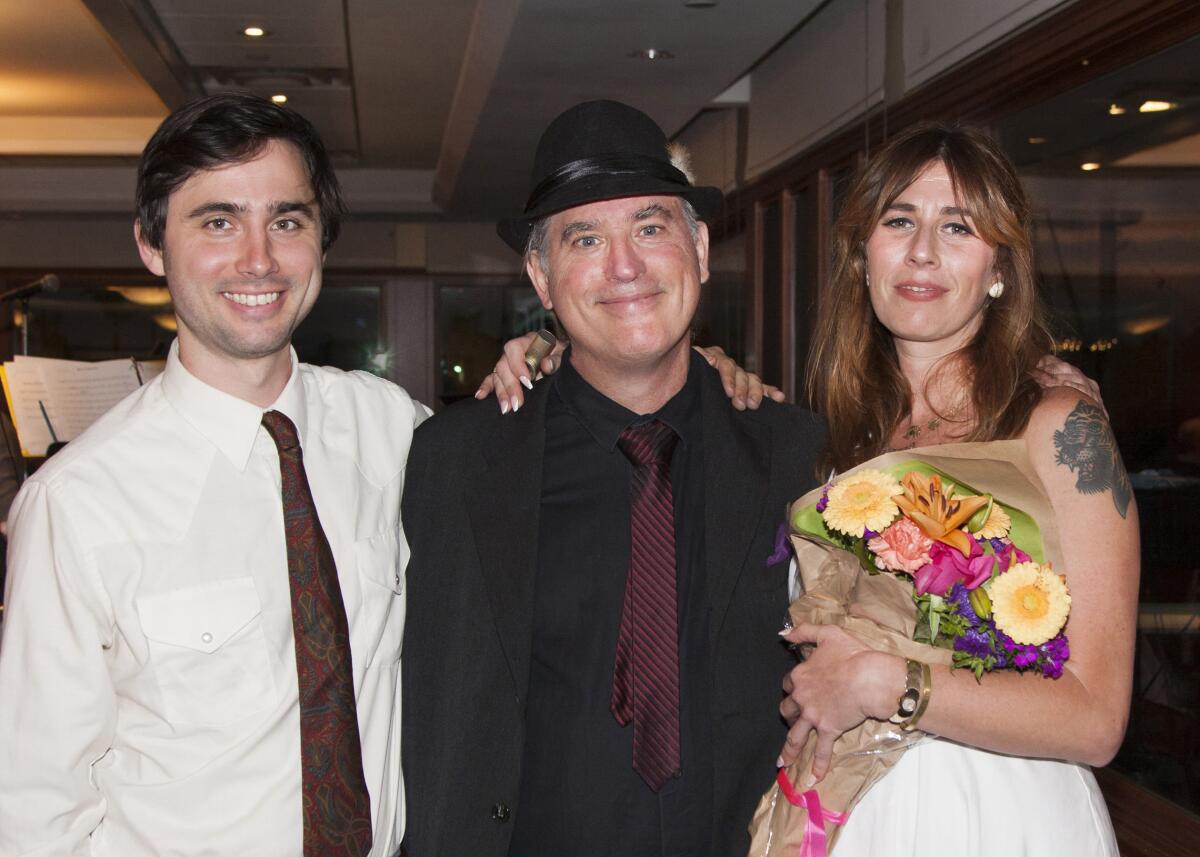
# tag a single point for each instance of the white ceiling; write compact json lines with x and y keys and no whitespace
{"x":429,"y":106}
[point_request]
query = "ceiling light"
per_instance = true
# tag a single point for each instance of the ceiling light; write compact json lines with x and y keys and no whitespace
{"x":166,"y":321}
{"x":1036,"y":141}
{"x":143,"y":295}
{"x":279,"y":98}
{"x":1090,"y":166}
{"x":1115,"y":109}
{"x":254,"y":32}
{"x":653,"y":54}
{"x":1152,"y":106}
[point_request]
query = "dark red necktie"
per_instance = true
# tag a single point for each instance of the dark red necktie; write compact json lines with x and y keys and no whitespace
{"x":337,"y":807}
{"x":646,"y":674}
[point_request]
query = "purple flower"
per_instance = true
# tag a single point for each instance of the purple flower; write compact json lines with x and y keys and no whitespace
{"x":1025,"y":656}
{"x":782,"y":550}
{"x":1055,"y":651}
{"x":869,"y":534}
{"x":960,"y":597}
{"x":824,"y":501}
{"x":975,"y":643}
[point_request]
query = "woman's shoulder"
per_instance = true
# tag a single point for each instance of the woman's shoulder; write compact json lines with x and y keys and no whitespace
{"x":1072,"y":446}
{"x":1064,"y":409}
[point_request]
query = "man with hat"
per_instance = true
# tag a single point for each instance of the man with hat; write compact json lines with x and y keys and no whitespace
{"x":590,"y":664}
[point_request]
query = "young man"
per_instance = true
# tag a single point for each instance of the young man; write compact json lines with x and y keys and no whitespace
{"x":205,"y":606}
{"x":590,"y":663}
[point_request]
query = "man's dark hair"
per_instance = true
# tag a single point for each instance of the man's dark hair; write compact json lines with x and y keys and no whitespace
{"x":226,"y":129}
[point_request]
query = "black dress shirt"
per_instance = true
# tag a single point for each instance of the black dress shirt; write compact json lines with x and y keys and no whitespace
{"x":579,"y":793}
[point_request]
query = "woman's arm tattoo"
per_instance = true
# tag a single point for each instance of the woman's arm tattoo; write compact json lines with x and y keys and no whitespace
{"x":1087,"y":447}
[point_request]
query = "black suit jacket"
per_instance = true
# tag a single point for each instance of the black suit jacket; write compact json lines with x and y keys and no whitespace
{"x":470,"y":513}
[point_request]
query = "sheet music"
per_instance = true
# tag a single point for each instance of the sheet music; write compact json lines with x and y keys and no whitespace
{"x":24,"y":390}
{"x":74,"y":393}
{"x":80,"y":393}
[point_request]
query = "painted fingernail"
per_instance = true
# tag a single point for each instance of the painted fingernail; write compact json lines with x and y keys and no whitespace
{"x":503,"y":407}
{"x":479,"y":394}
{"x":527,"y":383}
{"x":783,"y":632}
{"x":810,"y":781}
{"x":516,"y":406}
{"x":779,"y":762}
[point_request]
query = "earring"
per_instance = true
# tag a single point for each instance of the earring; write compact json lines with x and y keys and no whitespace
{"x":996,"y":290}
{"x":868,"y":276}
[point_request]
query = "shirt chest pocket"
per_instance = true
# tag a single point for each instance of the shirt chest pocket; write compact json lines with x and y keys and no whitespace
{"x":208,"y":652}
{"x":381,"y":560}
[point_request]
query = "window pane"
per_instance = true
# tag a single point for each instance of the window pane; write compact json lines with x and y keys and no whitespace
{"x":473,"y":323}
{"x":1118,"y":252}
{"x":771,"y":366}
{"x":721,"y":316}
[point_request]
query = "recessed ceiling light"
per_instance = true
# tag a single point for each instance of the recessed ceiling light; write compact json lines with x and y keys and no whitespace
{"x":1036,"y":141}
{"x":254,"y":32}
{"x":1115,"y":109}
{"x":1089,"y":166}
{"x":1155,"y":106}
{"x":653,"y":54}
{"x":279,"y":98}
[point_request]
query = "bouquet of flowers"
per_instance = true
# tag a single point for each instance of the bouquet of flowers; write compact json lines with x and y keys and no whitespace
{"x":914,"y":553}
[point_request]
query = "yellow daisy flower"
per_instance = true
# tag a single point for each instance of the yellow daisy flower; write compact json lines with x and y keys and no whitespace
{"x":1030,"y":603}
{"x":997,"y":525}
{"x":862,"y":501}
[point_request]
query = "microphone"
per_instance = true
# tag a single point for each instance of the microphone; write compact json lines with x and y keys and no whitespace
{"x":46,"y":283}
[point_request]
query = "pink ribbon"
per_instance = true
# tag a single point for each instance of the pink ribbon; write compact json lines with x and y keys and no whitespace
{"x":813,"y":843}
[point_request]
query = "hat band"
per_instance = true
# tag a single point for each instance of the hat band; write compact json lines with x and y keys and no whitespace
{"x":608,"y":165}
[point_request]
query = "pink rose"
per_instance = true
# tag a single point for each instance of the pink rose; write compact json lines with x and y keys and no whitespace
{"x":901,"y":547}
{"x":947,"y":566}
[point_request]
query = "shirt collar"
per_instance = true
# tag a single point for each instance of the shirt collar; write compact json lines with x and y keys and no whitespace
{"x":604,"y":419}
{"x":227,"y":422}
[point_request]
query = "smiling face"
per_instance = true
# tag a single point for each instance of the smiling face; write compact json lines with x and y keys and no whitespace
{"x":623,"y":277}
{"x":241,"y":252}
{"x":929,"y":270}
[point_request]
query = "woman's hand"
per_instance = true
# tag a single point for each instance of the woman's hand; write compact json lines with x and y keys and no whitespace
{"x":745,"y":389}
{"x":512,"y":373}
{"x":838,"y":686}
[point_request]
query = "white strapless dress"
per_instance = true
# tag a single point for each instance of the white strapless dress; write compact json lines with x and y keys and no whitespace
{"x":945,"y":798}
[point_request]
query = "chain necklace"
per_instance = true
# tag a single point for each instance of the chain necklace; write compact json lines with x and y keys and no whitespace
{"x":914,"y":429}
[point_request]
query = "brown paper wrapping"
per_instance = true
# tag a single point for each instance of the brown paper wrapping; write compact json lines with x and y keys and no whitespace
{"x":879,"y":611}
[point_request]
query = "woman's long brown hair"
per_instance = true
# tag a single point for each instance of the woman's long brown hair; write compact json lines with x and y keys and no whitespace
{"x":853,"y":375}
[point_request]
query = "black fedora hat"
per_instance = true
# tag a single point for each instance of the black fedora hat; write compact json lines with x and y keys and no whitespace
{"x":601,"y":150}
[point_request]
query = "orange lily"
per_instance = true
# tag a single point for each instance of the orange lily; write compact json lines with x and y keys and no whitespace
{"x":936,"y":511}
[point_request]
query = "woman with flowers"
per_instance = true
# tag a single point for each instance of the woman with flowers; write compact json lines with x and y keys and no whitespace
{"x":930,"y":334}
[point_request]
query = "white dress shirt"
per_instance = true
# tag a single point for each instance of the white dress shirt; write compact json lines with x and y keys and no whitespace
{"x":148,"y":695}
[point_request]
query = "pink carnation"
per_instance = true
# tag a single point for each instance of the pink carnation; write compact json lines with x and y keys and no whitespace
{"x":901,"y":547}
{"x":947,"y":566}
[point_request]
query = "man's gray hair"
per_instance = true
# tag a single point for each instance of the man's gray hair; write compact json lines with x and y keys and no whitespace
{"x":538,"y":234}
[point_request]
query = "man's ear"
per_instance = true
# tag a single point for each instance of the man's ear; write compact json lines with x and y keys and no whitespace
{"x":541,"y":282}
{"x":702,"y":249}
{"x":152,"y":258}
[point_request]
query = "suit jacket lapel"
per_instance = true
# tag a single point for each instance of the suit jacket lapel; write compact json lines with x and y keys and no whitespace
{"x":503,"y":503}
{"x":737,"y":458}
